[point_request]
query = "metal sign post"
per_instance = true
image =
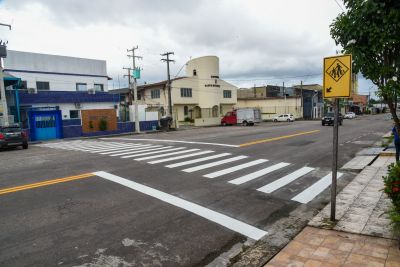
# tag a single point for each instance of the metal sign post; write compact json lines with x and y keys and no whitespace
{"x":337,"y":84}
{"x":334,"y":159}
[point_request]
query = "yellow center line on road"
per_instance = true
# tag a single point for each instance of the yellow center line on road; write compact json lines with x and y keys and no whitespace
{"x":277,"y":138}
{"x":45,"y":183}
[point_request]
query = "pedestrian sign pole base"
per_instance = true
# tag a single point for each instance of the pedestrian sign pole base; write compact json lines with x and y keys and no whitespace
{"x":334,"y":159}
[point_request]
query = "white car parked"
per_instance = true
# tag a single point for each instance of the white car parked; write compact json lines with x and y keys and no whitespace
{"x":284,"y":117}
{"x":349,"y":115}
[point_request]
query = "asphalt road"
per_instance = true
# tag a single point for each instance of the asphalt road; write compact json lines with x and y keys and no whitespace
{"x":132,"y":210}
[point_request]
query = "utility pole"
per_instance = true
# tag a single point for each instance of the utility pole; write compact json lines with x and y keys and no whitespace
{"x":129,"y":75}
{"x":301,"y":95}
{"x":135,"y":94}
{"x":169,"y":80}
{"x":2,"y":88}
{"x":284,"y":93}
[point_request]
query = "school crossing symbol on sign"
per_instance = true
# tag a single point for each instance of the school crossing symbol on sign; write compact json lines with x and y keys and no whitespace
{"x":337,"y":76}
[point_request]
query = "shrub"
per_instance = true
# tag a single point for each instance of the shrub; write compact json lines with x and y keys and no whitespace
{"x":103,"y":125}
{"x":392,"y":190}
{"x":187,"y":119}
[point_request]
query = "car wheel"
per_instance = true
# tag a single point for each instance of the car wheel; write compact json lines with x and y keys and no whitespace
{"x":25,"y":146}
{"x":275,"y":120}
{"x":323,"y":124}
{"x":288,"y":120}
{"x":341,"y":123}
{"x":223,"y":124}
{"x":244,"y":123}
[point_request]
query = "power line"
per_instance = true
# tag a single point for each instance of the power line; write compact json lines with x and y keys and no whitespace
{"x":339,"y":5}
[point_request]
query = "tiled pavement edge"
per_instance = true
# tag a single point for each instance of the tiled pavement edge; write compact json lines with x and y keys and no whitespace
{"x":362,"y":235}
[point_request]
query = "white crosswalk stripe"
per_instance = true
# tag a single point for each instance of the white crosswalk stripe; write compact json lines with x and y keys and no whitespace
{"x":197,"y":160}
{"x":119,"y":150}
{"x":314,"y":190}
{"x":153,"y":152}
{"x":258,"y":174}
{"x":139,"y":150}
{"x":181,"y":157}
{"x":271,"y":187}
{"x":168,"y":154}
{"x":235,"y":168}
{"x":213,"y":164}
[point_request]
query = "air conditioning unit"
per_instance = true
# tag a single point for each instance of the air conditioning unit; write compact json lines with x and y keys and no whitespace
{"x":77,"y":105}
{"x":91,"y":91}
{"x":32,"y":91}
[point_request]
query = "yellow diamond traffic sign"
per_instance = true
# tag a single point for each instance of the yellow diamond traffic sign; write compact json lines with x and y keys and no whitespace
{"x":337,"y":76}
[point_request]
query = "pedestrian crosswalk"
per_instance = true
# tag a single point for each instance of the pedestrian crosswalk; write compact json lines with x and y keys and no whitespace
{"x":237,"y":170}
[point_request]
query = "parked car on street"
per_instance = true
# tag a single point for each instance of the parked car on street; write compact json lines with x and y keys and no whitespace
{"x":349,"y":115}
{"x":329,"y":118}
{"x":243,"y":116}
{"x":284,"y":117}
{"x":13,"y":136}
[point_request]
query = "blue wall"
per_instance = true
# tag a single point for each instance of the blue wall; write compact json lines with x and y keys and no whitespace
{"x":73,"y":128}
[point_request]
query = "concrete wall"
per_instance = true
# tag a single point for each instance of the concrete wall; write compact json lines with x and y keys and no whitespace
{"x":207,"y":121}
{"x":59,"y":70}
{"x":274,"y":107}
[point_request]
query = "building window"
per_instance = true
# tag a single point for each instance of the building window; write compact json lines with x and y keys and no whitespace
{"x":98,"y":87}
{"x":81,"y":87}
{"x":155,"y":93}
{"x":227,"y":94}
{"x":186,"y":92}
{"x":24,"y":85}
{"x":194,"y":72}
{"x":42,"y":85}
{"x":74,"y":114}
{"x":185,"y":110}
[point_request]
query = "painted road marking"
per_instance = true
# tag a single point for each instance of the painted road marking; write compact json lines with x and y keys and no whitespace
{"x":45,"y":183}
{"x":215,"y":163}
{"x":144,"y":147}
{"x":181,"y":157}
{"x":219,"y":218}
{"x":133,"y":151}
{"x":277,"y":138}
{"x":87,"y":146}
{"x":259,"y":173}
{"x":109,"y":148}
{"x":183,"y":163}
{"x":168,"y":154}
{"x":311,"y":192}
{"x":118,"y":148}
{"x":235,"y":168}
{"x":271,"y":187}
{"x":170,"y":141}
{"x":154,"y":152}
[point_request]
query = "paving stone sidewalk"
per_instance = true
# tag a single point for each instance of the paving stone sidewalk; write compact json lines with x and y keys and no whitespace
{"x":362,"y":235}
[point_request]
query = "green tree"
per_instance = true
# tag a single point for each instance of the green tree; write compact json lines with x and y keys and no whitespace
{"x":370,"y":31}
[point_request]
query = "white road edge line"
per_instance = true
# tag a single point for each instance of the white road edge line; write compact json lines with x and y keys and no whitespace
{"x":311,"y":192}
{"x":271,"y":187}
{"x":171,"y":141}
{"x":219,"y":218}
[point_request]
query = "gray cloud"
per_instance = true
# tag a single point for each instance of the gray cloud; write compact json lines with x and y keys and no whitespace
{"x":253,"y":38}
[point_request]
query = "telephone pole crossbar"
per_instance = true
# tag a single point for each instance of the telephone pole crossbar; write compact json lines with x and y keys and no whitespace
{"x":134,"y":85}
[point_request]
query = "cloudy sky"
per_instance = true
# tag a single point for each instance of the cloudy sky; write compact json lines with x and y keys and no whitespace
{"x":258,"y":41}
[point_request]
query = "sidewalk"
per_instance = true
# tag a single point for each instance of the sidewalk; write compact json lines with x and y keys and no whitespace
{"x":362,"y":235}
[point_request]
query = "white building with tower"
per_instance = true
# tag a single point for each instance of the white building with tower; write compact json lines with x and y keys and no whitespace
{"x":201,"y":96}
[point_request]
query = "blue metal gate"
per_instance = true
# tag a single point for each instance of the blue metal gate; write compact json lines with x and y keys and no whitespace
{"x":45,"y":125}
